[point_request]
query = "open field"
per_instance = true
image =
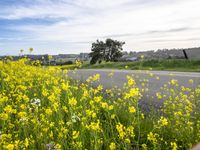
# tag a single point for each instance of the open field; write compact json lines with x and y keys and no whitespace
{"x":170,"y":65}
{"x":42,"y":108}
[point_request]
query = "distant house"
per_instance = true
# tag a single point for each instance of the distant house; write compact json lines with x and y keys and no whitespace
{"x":128,"y":58}
{"x":84,"y":56}
{"x":132,"y":58}
{"x":193,"y":53}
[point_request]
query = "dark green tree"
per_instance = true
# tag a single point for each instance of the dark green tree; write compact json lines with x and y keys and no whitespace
{"x":98,"y":50}
{"x":113,"y":50}
{"x":110,"y":50}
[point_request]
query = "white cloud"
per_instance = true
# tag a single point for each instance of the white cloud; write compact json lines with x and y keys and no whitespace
{"x":144,"y":24}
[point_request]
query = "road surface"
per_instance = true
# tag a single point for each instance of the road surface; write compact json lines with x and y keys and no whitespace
{"x":119,"y":77}
{"x":156,"y":79}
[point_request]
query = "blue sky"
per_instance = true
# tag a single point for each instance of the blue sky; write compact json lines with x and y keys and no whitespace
{"x":66,"y":26}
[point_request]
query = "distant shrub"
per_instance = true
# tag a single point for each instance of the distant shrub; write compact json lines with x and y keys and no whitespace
{"x":68,"y":62}
{"x":64,"y":63}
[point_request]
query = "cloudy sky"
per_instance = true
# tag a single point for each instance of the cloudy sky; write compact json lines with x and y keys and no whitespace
{"x":70,"y":26}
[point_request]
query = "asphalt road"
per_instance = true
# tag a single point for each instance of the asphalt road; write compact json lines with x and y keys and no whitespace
{"x":154,"y":80}
{"x":119,"y":77}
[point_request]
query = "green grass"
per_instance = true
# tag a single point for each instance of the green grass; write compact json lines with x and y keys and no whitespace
{"x":170,"y":64}
{"x":66,"y":67}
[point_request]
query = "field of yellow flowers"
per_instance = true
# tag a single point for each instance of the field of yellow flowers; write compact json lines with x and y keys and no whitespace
{"x":42,"y":109}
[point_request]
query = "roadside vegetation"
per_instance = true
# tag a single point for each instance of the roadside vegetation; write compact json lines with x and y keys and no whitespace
{"x":76,"y":65}
{"x":41,"y":108}
{"x":107,"y":55}
{"x":168,"y":64}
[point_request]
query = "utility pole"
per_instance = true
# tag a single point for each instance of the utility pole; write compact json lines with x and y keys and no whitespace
{"x":185,"y":54}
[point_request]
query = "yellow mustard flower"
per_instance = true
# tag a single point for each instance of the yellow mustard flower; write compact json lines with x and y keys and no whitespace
{"x":132,"y":109}
{"x":112,"y":146}
{"x":10,"y":147}
{"x":174,"y":146}
{"x":72,"y":101}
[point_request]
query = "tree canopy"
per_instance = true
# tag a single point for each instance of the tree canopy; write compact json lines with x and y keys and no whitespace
{"x":110,"y":50}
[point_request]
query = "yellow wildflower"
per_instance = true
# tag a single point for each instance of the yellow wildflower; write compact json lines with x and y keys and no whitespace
{"x":58,"y":146}
{"x":191,"y":81}
{"x":174,"y":146}
{"x":72,"y":101}
{"x":152,"y":137}
{"x":95,"y":126}
{"x":111,"y":107}
{"x":10,"y":147}
{"x":113,"y":116}
{"x":112,"y":146}
{"x":131,"y":81}
{"x":173,"y":81}
{"x":132,"y":109}
{"x":127,"y":140}
{"x":26,"y":142}
{"x":22,"y":115}
{"x":163,"y":121}
{"x":144,"y":146}
{"x":104,"y":105}
{"x":48,"y":111}
{"x":121,"y":130}
{"x":75,"y":134}
{"x":4,"y":116}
